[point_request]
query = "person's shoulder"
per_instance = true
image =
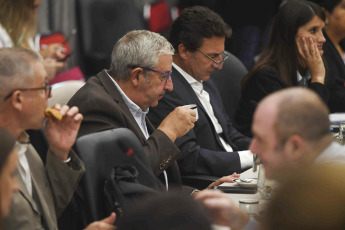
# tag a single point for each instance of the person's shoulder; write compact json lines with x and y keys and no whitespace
{"x":266,"y":71}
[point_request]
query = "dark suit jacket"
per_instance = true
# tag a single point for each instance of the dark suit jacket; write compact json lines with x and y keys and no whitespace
{"x":264,"y":82}
{"x":336,"y":77}
{"x":103,"y":108}
{"x":202,"y":151}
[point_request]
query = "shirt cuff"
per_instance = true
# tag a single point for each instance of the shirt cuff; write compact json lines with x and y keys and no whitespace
{"x":246,"y":159}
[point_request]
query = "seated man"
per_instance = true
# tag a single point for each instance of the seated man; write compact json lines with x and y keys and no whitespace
{"x":213,"y":146}
{"x":291,"y":131}
{"x":46,"y":190}
{"x":138,"y":77}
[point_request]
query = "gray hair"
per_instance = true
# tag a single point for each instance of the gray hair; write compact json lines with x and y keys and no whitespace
{"x":16,"y":69}
{"x":137,"y":48}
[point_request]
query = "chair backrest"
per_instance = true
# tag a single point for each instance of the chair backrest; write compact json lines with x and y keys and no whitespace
{"x":63,"y":91}
{"x":100,"y":24}
{"x":228,"y":81}
{"x":100,"y":152}
{"x":158,"y":16}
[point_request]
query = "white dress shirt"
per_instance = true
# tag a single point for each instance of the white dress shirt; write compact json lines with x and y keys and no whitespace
{"x":246,"y":157}
{"x":139,"y":116}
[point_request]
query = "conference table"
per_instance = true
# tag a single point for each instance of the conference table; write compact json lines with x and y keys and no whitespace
{"x":236,"y":197}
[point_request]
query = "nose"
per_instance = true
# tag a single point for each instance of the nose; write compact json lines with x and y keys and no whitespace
{"x":254,"y":146}
{"x":169,"y":85}
{"x":219,"y":66}
{"x":321,"y":38}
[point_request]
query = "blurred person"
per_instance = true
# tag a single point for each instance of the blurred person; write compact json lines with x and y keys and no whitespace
{"x":183,"y":213}
{"x":309,"y":199}
{"x":213,"y":146}
{"x":8,"y":164}
{"x":18,"y":24}
{"x":291,"y":132}
{"x":291,"y":58}
{"x":334,"y":53}
{"x":24,"y":92}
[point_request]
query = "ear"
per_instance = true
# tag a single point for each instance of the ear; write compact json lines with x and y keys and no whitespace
{"x":135,"y":76}
{"x":17,"y":100}
{"x":183,"y":52}
{"x":295,"y":148}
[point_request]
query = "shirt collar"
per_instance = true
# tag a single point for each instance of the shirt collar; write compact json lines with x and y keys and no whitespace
{"x":191,"y":80}
{"x":134,"y":108}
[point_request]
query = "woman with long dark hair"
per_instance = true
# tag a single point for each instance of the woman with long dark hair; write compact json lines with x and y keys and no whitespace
{"x":291,"y":58}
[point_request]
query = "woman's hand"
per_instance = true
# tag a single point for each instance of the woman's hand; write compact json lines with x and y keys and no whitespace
{"x":311,"y":56}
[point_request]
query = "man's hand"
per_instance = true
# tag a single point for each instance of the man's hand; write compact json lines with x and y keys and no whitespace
{"x":105,"y":224}
{"x":178,"y":122}
{"x":223,"y":179}
{"x":61,"y":135}
{"x":222,"y":210}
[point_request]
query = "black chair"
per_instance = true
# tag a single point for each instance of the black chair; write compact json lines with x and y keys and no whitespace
{"x":100,"y":152}
{"x":228,"y":81}
{"x":100,"y":24}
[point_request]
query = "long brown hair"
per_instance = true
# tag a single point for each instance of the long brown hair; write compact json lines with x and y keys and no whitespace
{"x":281,"y":51}
{"x":19,"y":19}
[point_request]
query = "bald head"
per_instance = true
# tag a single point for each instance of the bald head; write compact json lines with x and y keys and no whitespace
{"x":297,"y":111}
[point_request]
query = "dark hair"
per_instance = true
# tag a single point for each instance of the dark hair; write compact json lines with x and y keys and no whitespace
{"x":166,"y":211}
{"x":193,"y":25}
{"x":7,"y":143}
{"x":281,"y":51}
{"x":329,"y":5}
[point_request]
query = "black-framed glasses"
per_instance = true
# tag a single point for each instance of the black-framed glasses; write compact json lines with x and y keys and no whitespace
{"x":47,"y":87}
{"x":223,"y":54}
{"x":168,"y":75}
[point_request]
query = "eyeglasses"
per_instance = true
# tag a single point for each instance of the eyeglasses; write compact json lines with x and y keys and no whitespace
{"x":223,"y":54}
{"x":47,"y":87}
{"x":168,"y":75}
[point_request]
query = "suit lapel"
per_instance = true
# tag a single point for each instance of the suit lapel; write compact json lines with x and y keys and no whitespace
{"x":25,"y":193}
{"x":111,"y":89}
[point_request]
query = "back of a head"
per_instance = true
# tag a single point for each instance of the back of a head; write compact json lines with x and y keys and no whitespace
{"x":137,"y":48}
{"x":15,"y":69}
{"x":300,"y":111}
{"x":166,"y":211}
{"x":310,"y":199}
{"x":193,"y":25}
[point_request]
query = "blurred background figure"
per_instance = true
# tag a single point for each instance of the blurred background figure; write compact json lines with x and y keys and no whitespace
{"x":309,"y":200}
{"x":292,"y":58}
{"x":334,"y":33}
{"x":166,"y":211}
{"x":18,"y":28}
{"x":8,"y":165}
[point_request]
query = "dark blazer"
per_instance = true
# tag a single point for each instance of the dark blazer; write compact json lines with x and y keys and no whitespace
{"x":264,"y":82}
{"x":103,"y":108}
{"x":202,"y":151}
{"x":336,"y":77}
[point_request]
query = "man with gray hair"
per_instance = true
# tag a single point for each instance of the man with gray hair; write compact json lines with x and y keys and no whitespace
{"x":24,"y":93}
{"x":138,"y":77}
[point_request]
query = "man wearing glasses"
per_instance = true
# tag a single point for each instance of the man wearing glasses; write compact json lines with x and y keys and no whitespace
{"x":138,"y":77}
{"x":213,"y":147}
{"x":45,"y":190}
